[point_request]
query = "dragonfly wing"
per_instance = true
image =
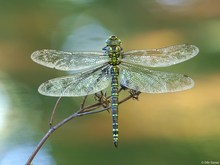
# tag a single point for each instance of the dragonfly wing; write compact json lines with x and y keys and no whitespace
{"x":74,"y":61}
{"x":78,"y":84}
{"x":148,"y":81}
{"x":161,"y":57}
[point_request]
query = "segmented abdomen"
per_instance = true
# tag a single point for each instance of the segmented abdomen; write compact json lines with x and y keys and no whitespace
{"x":114,"y":102}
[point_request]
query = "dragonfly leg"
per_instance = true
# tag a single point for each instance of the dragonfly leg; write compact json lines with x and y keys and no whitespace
{"x":102,"y":99}
{"x":134,"y":94}
{"x":123,"y":87}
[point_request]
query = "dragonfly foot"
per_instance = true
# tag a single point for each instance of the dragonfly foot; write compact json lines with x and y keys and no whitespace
{"x":102,"y":99}
{"x":134,"y":94}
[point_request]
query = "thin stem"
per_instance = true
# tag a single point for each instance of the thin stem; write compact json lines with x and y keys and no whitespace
{"x":97,"y":105}
{"x":40,"y":144}
{"x":54,"y":111}
{"x":83,"y":102}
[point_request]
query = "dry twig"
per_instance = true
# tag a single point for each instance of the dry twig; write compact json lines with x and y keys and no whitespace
{"x":102,"y":101}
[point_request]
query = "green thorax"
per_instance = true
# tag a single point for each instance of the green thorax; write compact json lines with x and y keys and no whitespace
{"x":113,"y":50}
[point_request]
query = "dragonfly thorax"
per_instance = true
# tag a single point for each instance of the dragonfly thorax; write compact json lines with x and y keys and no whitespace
{"x":113,"y":50}
{"x":114,"y":53}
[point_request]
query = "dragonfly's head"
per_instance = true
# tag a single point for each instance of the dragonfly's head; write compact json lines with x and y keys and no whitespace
{"x":113,"y":41}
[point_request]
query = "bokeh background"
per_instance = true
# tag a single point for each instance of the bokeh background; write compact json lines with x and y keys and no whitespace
{"x":159,"y":129}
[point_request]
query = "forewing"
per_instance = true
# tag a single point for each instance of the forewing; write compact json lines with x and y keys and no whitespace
{"x":161,"y":57}
{"x":79,"y":84}
{"x":74,"y":61}
{"x":149,"y":81}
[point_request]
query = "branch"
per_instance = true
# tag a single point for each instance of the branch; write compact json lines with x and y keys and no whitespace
{"x":92,"y":109}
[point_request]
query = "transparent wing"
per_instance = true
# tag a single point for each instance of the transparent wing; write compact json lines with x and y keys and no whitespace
{"x":161,"y":57}
{"x":148,"y":81}
{"x":74,"y":61}
{"x":79,"y":84}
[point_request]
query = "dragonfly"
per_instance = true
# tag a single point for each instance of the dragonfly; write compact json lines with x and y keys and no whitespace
{"x":94,"y":71}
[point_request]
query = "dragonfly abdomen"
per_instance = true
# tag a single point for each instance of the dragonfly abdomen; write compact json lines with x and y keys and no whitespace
{"x":114,"y":103}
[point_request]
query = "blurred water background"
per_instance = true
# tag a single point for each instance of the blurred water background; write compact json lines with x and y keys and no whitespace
{"x":159,"y":129}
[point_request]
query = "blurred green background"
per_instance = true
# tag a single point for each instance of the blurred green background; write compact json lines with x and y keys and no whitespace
{"x":159,"y":129}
